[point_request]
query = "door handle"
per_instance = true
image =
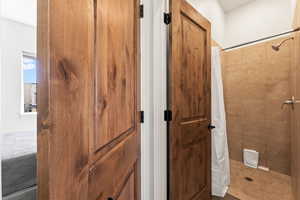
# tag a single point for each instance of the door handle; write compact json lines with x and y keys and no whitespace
{"x":211,"y":127}
{"x":291,"y":102}
{"x":288,"y":102}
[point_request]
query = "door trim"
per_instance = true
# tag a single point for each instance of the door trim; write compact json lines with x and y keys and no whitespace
{"x":160,"y":99}
{"x":153,"y":98}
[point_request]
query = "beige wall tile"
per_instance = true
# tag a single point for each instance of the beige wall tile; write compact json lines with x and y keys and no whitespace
{"x":280,"y":165}
{"x":254,"y":54}
{"x":234,"y":107}
{"x":278,"y":91}
{"x":276,"y":112}
{"x":255,"y":110}
{"x":235,"y":146}
{"x":232,"y":57}
{"x":255,"y":130}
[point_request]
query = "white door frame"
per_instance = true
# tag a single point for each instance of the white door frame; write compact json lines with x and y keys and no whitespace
{"x":146,"y":102}
{"x":1,"y":82}
{"x":160,"y":99}
{"x":153,"y":101}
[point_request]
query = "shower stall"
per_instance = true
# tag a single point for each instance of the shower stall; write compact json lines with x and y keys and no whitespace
{"x":261,"y":107}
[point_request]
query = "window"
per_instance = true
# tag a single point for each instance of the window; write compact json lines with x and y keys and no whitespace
{"x":29,"y":83}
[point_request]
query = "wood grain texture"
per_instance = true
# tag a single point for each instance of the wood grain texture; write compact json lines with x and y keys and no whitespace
{"x":43,"y":66}
{"x":189,"y":100}
{"x":89,"y":100}
{"x":71,"y":42}
{"x":115,"y":142}
{"x":115,"y":169}
{"x":115,"y":66}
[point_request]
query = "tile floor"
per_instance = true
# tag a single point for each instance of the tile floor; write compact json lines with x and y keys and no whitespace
{"x":264,"y":185}
{"x":228,"y":197}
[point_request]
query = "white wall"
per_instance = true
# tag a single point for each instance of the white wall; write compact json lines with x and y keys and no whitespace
{"x":154,"y":177}
{"x":159,"y":99}
{"x":212,"y":10}
{"x":0,"y":104}
{"x":147,"y":101}
{"x":293,"y":7}
{"x":16,"y":38}
{"x":260,"y":18}
{"x":24,"y":11}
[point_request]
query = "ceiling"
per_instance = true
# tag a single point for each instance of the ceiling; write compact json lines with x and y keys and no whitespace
{"x":229,"y":5}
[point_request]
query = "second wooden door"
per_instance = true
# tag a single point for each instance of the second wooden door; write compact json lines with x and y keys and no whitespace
{"x":189,"y":100}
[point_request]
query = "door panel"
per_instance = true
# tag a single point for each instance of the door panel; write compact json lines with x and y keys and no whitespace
{"x":128,"y":191}
{"x":88,"y":129}
{"x":193,"y":71}
{"x":115,"y":70}
{"x":114,"y":170}
{"x":194,"y":155}
{"x":189,"y":99}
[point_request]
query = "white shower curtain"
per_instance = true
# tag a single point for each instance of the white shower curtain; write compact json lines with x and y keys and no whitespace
{"x":220,"y":155}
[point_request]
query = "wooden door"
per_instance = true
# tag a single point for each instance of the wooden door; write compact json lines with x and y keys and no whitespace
{"x":189,"y":100}
{"x":88,"y":100}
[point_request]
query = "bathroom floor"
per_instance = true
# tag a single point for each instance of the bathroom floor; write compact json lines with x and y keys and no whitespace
{"x":254,"y":184}
{"x":228,"y":197}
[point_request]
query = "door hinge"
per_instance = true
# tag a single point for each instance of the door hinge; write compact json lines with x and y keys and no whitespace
{"x":142,"y":116}
{"x":167,"y":18}
{"x":211,"y":127}
{"x":141,"y":11}
{"x":168,"y":115}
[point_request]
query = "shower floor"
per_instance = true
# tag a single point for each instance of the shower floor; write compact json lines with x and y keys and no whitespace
{"x":228,"y":197}
{"x":254,"y":184}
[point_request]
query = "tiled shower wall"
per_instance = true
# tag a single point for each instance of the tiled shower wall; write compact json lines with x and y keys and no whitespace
{"x":256,"y":82}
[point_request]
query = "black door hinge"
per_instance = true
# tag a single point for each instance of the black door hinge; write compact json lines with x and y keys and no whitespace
{"x":141,"y":11}
{"x":211,"y":127}
{"x":168,"y":115}
{"x":142,"y":116}
{"x":167,"y":18}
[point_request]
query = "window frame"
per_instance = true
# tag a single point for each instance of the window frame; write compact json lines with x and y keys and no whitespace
{"x":22,"y":110}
